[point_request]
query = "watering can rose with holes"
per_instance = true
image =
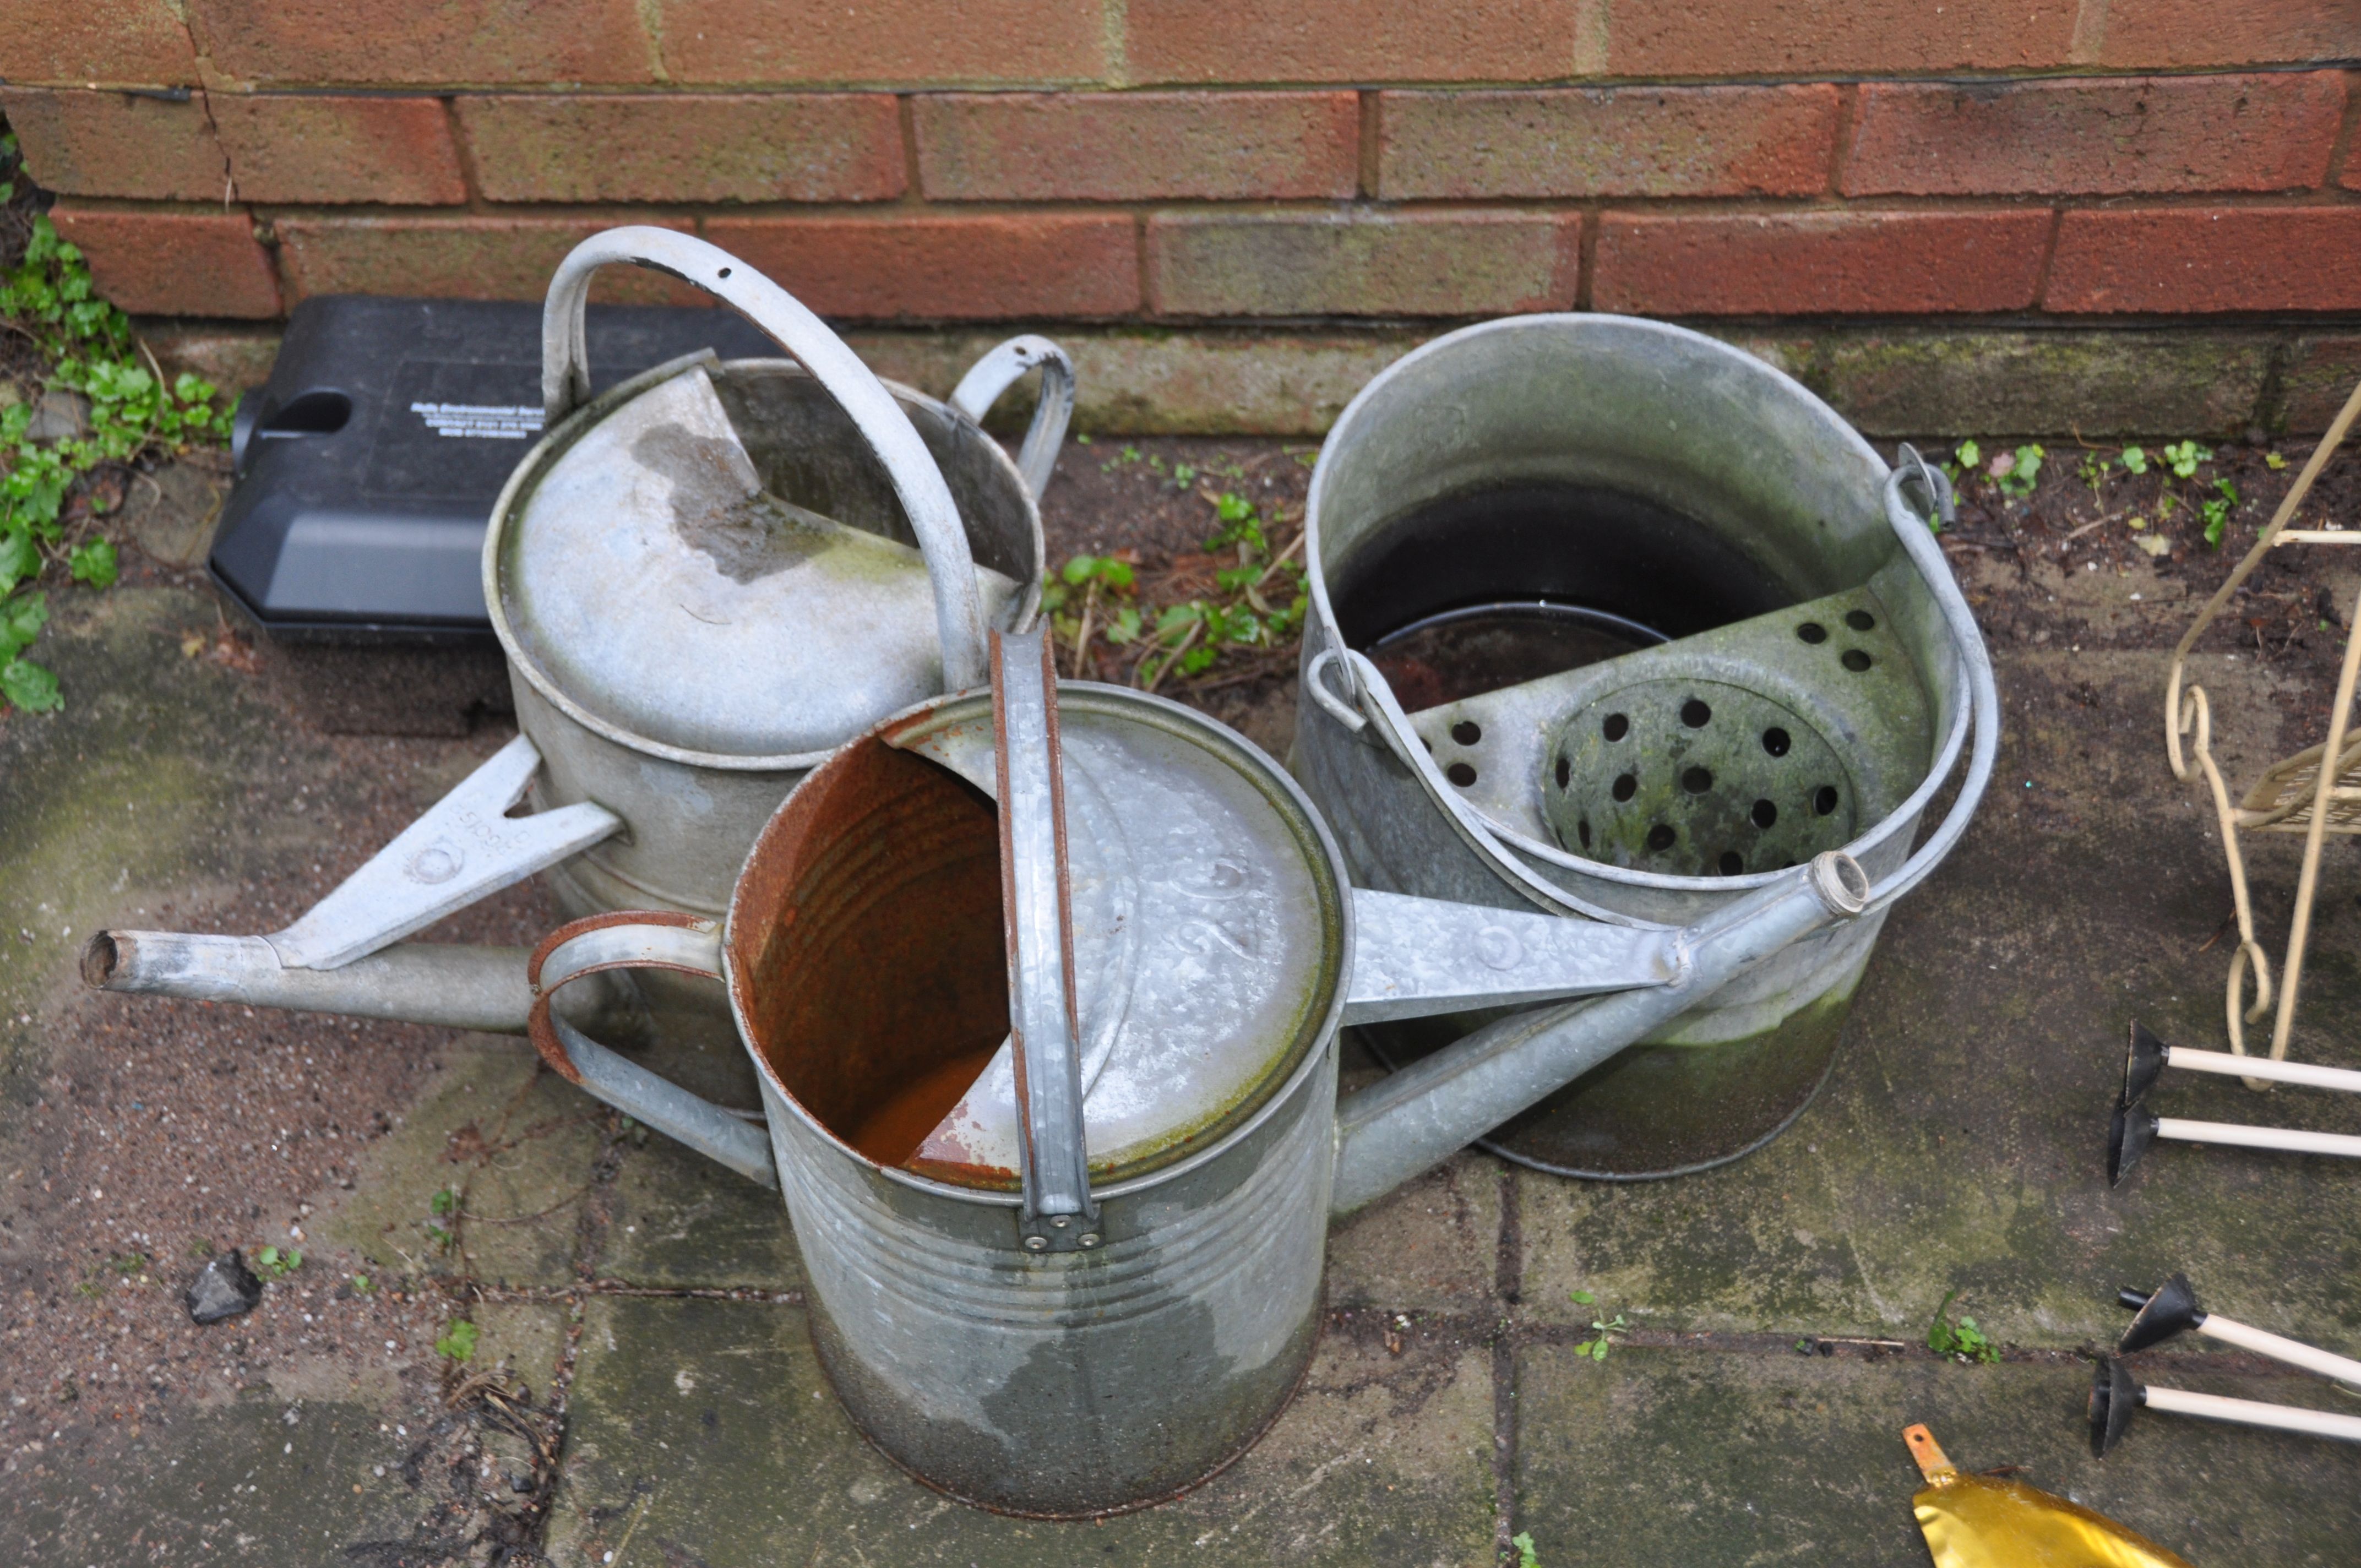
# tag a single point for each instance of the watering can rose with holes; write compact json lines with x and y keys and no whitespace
{"x":1610,"y":619}
{"x":705,"y":579}
{"x":1043,"y":988}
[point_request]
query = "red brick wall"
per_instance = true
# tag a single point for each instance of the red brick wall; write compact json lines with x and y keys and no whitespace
{"x":1247,"y":161}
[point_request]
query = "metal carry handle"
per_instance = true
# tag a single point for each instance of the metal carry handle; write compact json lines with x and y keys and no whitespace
{"x":644,"y":938}
{"x":1037,"y":898}
{"x":925,"y":498}
{"x":1000,"y":370}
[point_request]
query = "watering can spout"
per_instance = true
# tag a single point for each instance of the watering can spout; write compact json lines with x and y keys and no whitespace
{"x":417,"y":982}
{"x":1414,"y":1119}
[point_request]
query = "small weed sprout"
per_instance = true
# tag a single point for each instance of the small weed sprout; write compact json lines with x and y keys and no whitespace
{"x":363,"y":1285}
{"x":1526,"y":1558}
{"x":1250,"y":613}
{"x":458,"y":1341}
{"x":445,"y":1201}
{"x":2094,"y":472}
{"x":1595,"y":1346}
{"x":2217,"y":512}
{"x":2016,"y":472}
{"x":2134,"y":460}
{"x":1079,"y":591}
{"x":1961,"y":1340}
{"x":2274,"y":461}
{"x":277,"y":1263}
{"x":2182,"y":457}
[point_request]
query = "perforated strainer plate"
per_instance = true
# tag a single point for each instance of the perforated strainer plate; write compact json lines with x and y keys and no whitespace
{"x":1695,"y":778}
{"x":1828,"y":676}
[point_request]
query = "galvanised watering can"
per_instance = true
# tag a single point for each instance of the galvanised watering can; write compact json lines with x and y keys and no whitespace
{"x":1043,"y":987}
{"x":706,"y":579}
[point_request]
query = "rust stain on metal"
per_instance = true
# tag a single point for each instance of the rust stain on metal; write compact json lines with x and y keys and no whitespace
{"x":867,"y":948}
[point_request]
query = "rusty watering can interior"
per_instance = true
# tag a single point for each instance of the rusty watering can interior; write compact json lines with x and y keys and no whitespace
{"x":871,"y":960}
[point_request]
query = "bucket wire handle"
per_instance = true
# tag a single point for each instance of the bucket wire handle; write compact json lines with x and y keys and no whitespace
{"x":925,"y":498}
{"x":641,"y":938}
{"x":1036,"y":897}
{"x":1000,"y":370}
{"x":1912,"y":528}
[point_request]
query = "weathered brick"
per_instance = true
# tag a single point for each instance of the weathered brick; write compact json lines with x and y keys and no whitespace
{"x":1349,"y":41}
{"x":800,"y":146}
{"x":139,"y":43}
{"x":174,"y":264}
{"x":1748,"y":38}
{"x":1936,"y":380}
{"x":1120,"y":147}
{"x":235,"y":358}
{"x":2096,"y":137}
{"x":886,"y":42}
{"x":2319,"y":375}
{"x":2178,"y":33}
{"x":288,"y":148}
{"x":2208,"y":258}
{"x":424,"y":42}
{"x":945,"y":268}
{"x":1818,"y":263}
{"x":1410,"y":263}
{"x":103,"y":143}
{"x":469,"y":258}
{"x":1624,"y":141}
{"x":1165,"y":381}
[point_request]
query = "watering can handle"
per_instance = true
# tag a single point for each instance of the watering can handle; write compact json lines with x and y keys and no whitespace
{"x":1001,"y":369}
{"x":1037,"y":902}
{"x":644,"y":938}
{"x":925,"y":498}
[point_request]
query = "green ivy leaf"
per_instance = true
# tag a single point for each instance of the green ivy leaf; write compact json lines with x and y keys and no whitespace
{"x":19,"y":561}
{"x":21,"y":619}
{"x":93,"y":561}
{"x":30,"y":687}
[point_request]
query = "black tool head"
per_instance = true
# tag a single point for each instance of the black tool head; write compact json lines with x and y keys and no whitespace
{"x":2142,"y":1063}
{"x":2114,"y":1395}
{"x":2173,"y":1310}
{"x":2128,"y":1138}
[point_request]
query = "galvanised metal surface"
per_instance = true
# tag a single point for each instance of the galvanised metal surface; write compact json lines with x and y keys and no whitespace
{"x":1648,"y":470}
{"x":867,"y":962}
{"x":692,"y":811}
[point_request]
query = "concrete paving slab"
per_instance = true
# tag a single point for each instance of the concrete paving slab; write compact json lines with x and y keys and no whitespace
{"x":512,"y":1146}
{"x":235,"y":1481}
{"x":1705,"y":1458}
{"x":1433,"y":1244}
{"x":674,"y":1218}
{"x":1960,"y":1141}
{"x":701,"y":1430}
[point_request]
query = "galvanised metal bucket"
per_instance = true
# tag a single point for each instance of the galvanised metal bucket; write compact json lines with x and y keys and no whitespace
{"x":1503,"y":530}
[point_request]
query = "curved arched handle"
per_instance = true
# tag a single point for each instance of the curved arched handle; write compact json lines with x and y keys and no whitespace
{"x":1000,"y":370}
{"x":925,"y":498}
{"x":646,"y":938}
